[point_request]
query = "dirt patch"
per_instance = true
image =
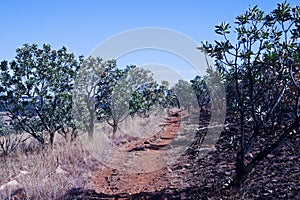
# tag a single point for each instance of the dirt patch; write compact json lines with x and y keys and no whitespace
{"x":114,"y":181}
{"x":194,"y":176}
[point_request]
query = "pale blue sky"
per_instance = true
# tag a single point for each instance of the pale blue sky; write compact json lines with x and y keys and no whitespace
{"x":82,"y":25}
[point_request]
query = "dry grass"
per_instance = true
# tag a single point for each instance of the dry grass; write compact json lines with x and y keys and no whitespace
{"x":48,"y":173}
{"x":44,"y":172}
{"x":143,"y":127}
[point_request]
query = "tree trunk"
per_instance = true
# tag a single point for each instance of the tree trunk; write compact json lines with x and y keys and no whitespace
{"x":243,"y":171}
{"x":114,"y":125}
{"x":51,"y":138}
{"x":91,"y":122}
{"x":91,"y":131}
{"x":115,"y":128}
{"x":240,"y":170}
{"x":74,"y":134}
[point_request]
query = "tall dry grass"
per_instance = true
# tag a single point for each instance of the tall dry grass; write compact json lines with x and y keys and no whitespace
{"x":45,"y":172}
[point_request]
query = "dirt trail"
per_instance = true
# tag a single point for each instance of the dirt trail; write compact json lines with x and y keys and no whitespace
{"x":162,"y":138}
{"x":114,"y":181}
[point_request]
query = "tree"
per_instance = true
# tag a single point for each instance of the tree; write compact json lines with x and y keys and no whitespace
{"x":115,"y":97}
{"x":37,"y":87}
{"x":261,"y":70}
{"x":91,"y":72}
{"x":148,"y":97}
{"x":201,"y":91}
{"x":186,"y":95}
{"x":171,"y":99}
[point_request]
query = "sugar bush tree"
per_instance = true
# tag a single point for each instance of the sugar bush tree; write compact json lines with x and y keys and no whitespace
{"x":87,"y":90}
{"x":260,"y":67}
{"x":201,"y":91}
{"x":117,"y":107}
{"x":37,"y":89}
{"x":186,"y":95}
{"x":148,"y":97}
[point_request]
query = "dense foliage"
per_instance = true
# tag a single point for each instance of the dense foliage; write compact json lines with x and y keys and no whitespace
{"x":46,"y":91}
{"x":36,"y":89}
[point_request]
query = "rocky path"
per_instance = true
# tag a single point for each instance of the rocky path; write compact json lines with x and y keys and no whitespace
{"x":204,"y":177}
{"x":160,"y":139}
{"x":113,"y":181}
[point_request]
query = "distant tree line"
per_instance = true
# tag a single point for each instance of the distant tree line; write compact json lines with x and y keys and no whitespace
{"x":48,"y":91}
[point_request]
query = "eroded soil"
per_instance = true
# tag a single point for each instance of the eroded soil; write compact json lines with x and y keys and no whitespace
{"x":115,"y":181}
{"x":200,"y":177}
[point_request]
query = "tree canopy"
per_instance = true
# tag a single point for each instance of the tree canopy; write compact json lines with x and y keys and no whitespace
{"x":37,"y":89}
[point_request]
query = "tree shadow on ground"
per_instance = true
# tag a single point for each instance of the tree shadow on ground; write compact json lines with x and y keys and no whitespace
{"x":189,"y":193}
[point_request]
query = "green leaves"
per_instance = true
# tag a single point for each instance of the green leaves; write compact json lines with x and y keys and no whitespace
{"x":253,"y":14}
{"x":3,"y":65}
{"x":201,"y":91}
{"x":38,"y":84}
{"x":223,"y":28}
{"x":283,"y":12}
{"x":186,"y":95}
